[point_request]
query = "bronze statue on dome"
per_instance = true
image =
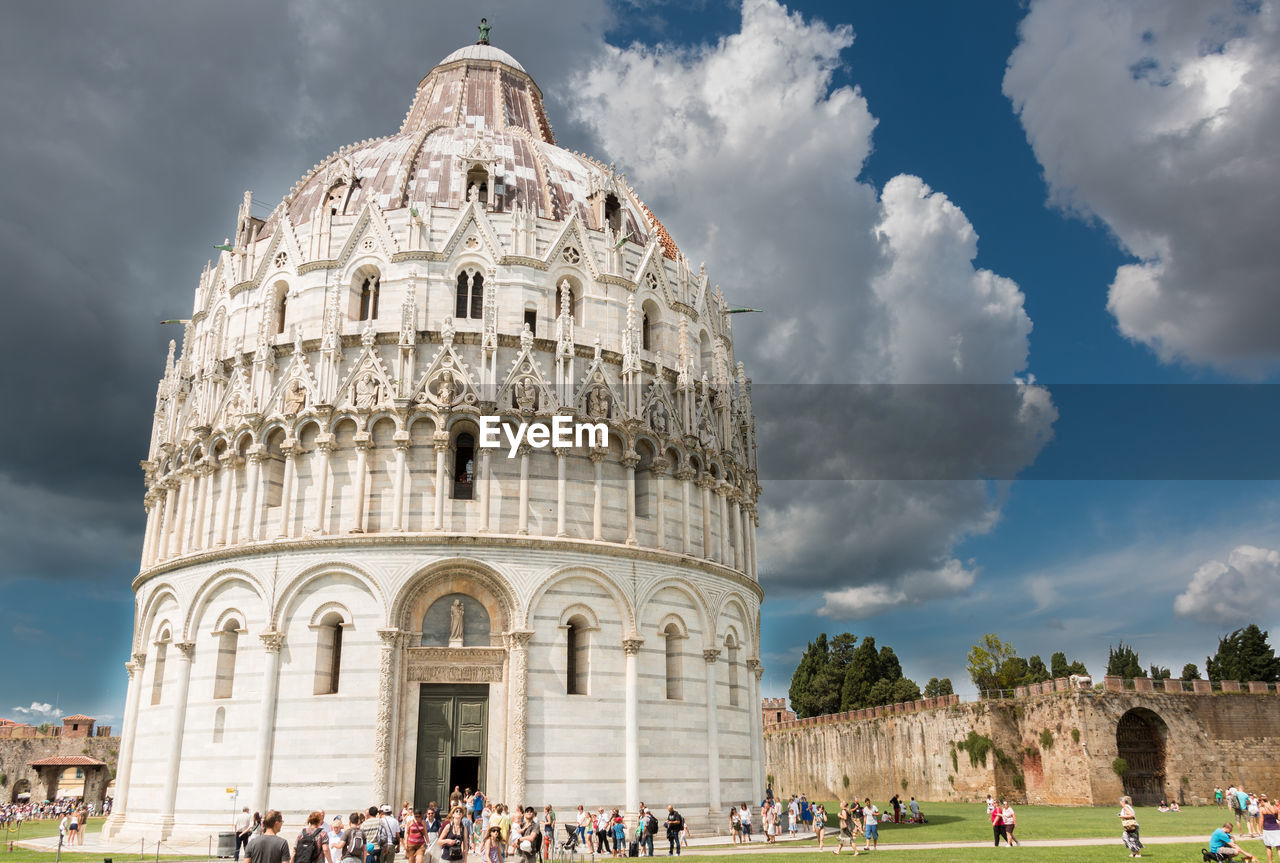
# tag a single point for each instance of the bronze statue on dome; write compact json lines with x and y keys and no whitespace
{"x":484,"y":32}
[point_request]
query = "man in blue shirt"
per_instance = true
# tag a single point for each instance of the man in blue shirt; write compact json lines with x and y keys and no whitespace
{"x":1221,"y":843}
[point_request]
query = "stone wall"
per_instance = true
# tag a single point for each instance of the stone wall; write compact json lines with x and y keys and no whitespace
{"x":1056,"y":748}
{"x":17,"y":753}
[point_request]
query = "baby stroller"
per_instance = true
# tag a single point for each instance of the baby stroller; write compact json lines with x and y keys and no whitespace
{"x":570,"y":849}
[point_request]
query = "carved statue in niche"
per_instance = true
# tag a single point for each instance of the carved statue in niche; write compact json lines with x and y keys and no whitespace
{"x":658,"y":419}
{"x":295,"y":397}
{"x":526,"y":338}
{"x":235,"y":410}
{"x":526,"y":395}
{"x":367,"y":391}
{"x":447,"y":391}
{"x":598,"y":403}
{"x":448,"y":331}
{"x":456,"y":612}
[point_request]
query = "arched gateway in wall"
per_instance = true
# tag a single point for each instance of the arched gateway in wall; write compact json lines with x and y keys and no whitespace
{"x":1141,"y":737}
{"x":344,"y":598}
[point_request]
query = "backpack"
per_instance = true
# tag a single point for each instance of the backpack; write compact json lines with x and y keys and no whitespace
{"x":353,"y":844}
{"x":306,"y":850}
{"x":650,"y":824}
{"x":385,"y":836}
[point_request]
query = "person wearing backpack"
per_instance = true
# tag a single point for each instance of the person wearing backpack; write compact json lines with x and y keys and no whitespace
{"x":675,"y":826}
{"x":311,"y":841}
{"x":650,"y":830}
{"x":353,"y":842}
{"x":372,"y":828}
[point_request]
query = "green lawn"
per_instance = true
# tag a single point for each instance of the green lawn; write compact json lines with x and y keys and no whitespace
{"x":967,"y":822}
{"x":1176,"y":853}
{"x":46,"y":827}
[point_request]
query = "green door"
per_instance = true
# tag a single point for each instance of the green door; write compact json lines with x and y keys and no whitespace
{"x":452,"y":728}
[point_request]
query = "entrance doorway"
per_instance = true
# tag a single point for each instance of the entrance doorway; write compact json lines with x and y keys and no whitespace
{"x":453,"y":724}
{"x":1140,"y":739}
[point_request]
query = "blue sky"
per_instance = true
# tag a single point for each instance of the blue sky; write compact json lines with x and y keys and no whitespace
{"x":1034,"y":157}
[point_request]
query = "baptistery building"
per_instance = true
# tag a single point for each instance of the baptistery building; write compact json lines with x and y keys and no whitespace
{"x":348,"y":594}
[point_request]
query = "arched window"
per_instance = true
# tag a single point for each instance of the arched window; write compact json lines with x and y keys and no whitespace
{"x":479,"y":178}
{"x":219,"y":724}
{"x":282,"y":306}
{"x":704,"y":353}
{"x":464,"y":466}
{"x":328,"y":654}
{"x":645,"y":338}
{"x":369,"y":298}
{"x":337,"y":199}
{"x":577,"y":664}
{"x":642,"y":473}
{"x":731,"y":650}
{"x":157,"y":674}
{"x":675,"y":691}
{"x":470,"y":296}
{"x":572,"y":296}
{"x":224,"y":677}
{"x":613,"y":213}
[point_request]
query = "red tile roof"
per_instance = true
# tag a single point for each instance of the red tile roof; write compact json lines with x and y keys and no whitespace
{"x":78,"y":717}
{"x":68,"y":761}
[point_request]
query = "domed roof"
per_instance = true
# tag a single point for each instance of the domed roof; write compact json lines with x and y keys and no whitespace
{"x":482,"y":52}
{"x":477,"y":107}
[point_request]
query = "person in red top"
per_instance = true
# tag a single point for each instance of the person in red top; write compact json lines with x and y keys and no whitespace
{"x":997,"y":825}
{"x":415,"y":838}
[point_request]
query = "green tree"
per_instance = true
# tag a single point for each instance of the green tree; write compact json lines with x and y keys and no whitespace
{"x":881,"y":692}
{"x":890,"y":667}
{"x":1244,"y":655}
{"x":863,"y":672}
{"x":1058,"y":665}
{"x":829,"y":682}
{"x":905,"y":689}
{"x":936,"y":688}
{"x":1122,"y":661}
{"x":807,"y":677}
{"x":1159,"y":673}
{"x":1036,"y":671}
{"x":985,"y":660}
{"x":1190,"y":671}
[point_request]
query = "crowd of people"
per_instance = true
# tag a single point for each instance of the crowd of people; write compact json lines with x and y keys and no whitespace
{"x":72,"y":813}
{"x":469,"y":826}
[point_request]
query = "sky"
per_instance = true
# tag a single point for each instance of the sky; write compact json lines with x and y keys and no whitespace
{"x":1021,"y":254}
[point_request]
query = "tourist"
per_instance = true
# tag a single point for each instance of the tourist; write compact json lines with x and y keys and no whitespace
{"x":524,"y":837}
{"x":619,"y":828}
{"x":1217,"y":796}
{"x":1270,"y":817}
{"x":648,"y":829}
{"x":312,"y":843}
{"x":1242,"y":808}
{"x":502,"y":820}
{"x":675,"y":826}
{"x":333,"y":840}
{"x":582,"y":821}
{"x":915,"y":812}
{"x":1222,"y":844}
{"x":415,"y":838}
{"x":73,"y":827}
{"x":793,"y":816}
{"x":454,"y":838}
{"x":1233,"y":803}
{"x":372,"y":827}
{"x":871,"y":817}
{"x":548,"y":830}
{"x":896,"y":803}
{"x":432,"y":820}
{"x":491,"y":847}
{"x":745,"y":815}
{"x":1129,"y":827}
{"x":268,"y":846}
{"x":353,"y":844}
{"x":997,"y":823}
{"x":600,"y":824}
{"x":846,"y":830}
{"x":391,"y":837}
{"x":243,"y":827}
{"x":1255,"y":818}
{"x":1010,"y":819}
{"x":819,"y":822}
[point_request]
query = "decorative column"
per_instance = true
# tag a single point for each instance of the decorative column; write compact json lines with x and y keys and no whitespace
{"x":757,"y":726}
{"x":205,"y":512}
{"x":629,"y":461}
{"x":170,"y":504}
{"x":711,"y":657}
{"x":253,"y":483}
{"x":751,"y":539}
{"x":152,"y":505}
{"x":704,"y":483}
{"x":660,"y":466}
{"x":185,"y":494}
{"x":525,"y":450}
{"x":722,"y":492}
{"x":735,"y":519}
{"x":228,"y":469}
{"x":519,"y":719}
{"x":272,"y":641}
{"x":290,"y":450}
{"x":442,"y":448}
{"x":132,"y":699}
{"x":597,"y":507}
{"x":361,"y":482}
{"x":486,"y":476}
{"x":631,"y":719}
{"x":401,"y":485}
{"x":685,"y":474}
{"x":562,"y":483}
{"x":186,"y":649}
{"x":383,"y":731}
{"x":324,"y":447}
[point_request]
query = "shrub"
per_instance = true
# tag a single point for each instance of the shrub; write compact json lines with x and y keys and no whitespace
{"x":1120,"y":766}
{"x":1075,"y":735}
{"x":846,"y":780}
{"x":977,"y":746}
{"x":1046,"y":739}
{"x":904,"y":783}
{"x":955,"y":762}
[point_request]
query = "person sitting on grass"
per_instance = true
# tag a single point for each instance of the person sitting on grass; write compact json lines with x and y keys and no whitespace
{"x":1222,"y":844}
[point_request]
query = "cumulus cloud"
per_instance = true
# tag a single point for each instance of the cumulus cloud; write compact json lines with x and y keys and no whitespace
{"x":752,"y":158}
{"x":1161,"y":121}
{"x":38,"y":712}
{"x":1245,"y":589}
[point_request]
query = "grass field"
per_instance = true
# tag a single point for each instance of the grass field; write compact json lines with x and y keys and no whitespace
{"x":1175,"y":853}
{"x":967,"y":822}
{"x":46,"y":827}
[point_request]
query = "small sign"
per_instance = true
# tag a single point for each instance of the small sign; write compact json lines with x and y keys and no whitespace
{"x":232,"y":790}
